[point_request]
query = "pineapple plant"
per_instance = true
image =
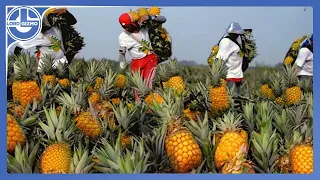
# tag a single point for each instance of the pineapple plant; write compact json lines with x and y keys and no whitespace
{"x":154,"y":10}
{"x":232,"y":138}
{"x":48,"y":71}
{"x":62,"y":75}
{"x":121,"y":81}
{"x":25,"y":89}
{"x":293,"y":93}
{"x":76,"y":71}
{"x":81,"y":162}
{"x":56,"y":158}
{"x":85,"y":118}
{"x":24,"y":159}
{"x":92,"y":72}
{"x":218,"y":91}
{"x":265,"y":88}
{"x":277,"y":88}
{"x":180,"y":145}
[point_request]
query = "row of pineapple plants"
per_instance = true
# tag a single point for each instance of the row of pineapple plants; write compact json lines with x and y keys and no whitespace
{"x":92,"y":124}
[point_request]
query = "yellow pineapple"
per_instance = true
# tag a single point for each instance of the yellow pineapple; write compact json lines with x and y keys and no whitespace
{"x":154,"y":10}
{"x":142,"y":12}
{"x":231,"y":140}
{"x":85,"y":117}
{"x":62,"y":75}
{"x":98,"y":83}
{"x":92,"y":73}
{"x":16,"y":110}
{"x":265,"y":88}
{"x":191,"y":114}
{"x":94,"y":98}
{"x":121,"y":81}
{"x":301,"y":158}
{"x":134,"y":15}
{"x":25,"y":88}
{"x":56,"y":157}
{"x":288,"y":60}
{"x":180,"y":145}
{"x":153,"y":96}
{"x":48,"y":72}
{"x":15,"y":134}
{"x":293,"y":93}
{"x":218,"y":92}
{"x":125,"y":140}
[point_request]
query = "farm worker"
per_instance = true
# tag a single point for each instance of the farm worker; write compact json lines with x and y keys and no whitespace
{"x":49,"y":40}
{"x":132,"y":39}
{"x":230,"y":50}
{"x":304,"y":60}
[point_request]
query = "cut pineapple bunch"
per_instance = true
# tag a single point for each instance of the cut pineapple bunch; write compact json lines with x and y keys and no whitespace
{"x":154,"y":10}
{"x":293,"y":51}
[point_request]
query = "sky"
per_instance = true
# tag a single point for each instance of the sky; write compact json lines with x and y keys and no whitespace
{"x":195,"y":30}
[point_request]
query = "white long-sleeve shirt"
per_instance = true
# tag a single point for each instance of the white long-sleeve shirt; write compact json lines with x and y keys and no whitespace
{"x":305,"y":62}
{"x":50,"y":43}
{"x":228,"y":51}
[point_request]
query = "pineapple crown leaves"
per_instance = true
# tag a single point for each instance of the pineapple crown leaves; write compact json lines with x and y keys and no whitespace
{"x":77,"y":100}
{"x":92,"y":71}
{"x":23,"y":159}
{"x":62,"y":69}
{"x":58,"y":129}
{"x":25,"y":67}
{"x":265,"y":77}
{"x":218,"y":71}
{"x":134,"y":161}
{"x":229,"y":122}
{"x":76,"y":69}
{"x":290,"y":76}
{"x":124,"y":115}
{"x":249,"y":116}
{"x":276,"y":84}
{"x":199,"y":94}
{"x":283,"y":121}
{"x":138,"y":83}
{"x":155,"y":143}
{"x":47,"y":65}
{"x":200,"y":129}
{"x":108,"y":88}
{"x":81,"y":159}
{"x":265,"y":115}
{"x":265,"y":150}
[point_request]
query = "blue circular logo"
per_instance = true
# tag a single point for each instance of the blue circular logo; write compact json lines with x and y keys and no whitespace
{"x":23,"y":23}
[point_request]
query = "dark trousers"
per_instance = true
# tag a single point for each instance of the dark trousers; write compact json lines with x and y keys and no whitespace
{"x":236,"y":86}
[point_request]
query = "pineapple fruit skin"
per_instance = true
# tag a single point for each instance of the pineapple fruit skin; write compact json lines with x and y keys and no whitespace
{"x":64,"y":82}
{"x":177,"y":84}
{"x":49,"y":79}
{"x":156,"y":97}
{"x":154,"y":10}
{"x":15,"y":134}
{"x":229,"y":145}
{"x":25,"y":91}
{"x":266,"y":91}
{"x":301,"y":159}
{"x":56,"y":159}
{"x":183,"y":151}
{"x":121,"y":81}
{"x":94,"y":98}
{"x":89,"y":125}
{"x":293,"y":95}
{"x":219,"y":98}
{"x":191,"y":115}
{"x":98,"y":83}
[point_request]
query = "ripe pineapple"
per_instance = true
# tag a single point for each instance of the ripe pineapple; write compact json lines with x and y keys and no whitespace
{"x":62,"y":75}
{"x":86,"y":119}
{"x":48,"y":71}
{"x":231,"y":140}
{"x":121,"y":81}
{"x":190,"y":113}
{"x":180,"y":145}
{"x":288,"y":60}
{"x":301,"y":158}
{"x":56,"y":158}
{"x":153,"y":96}
{"x":25,"y":88}
{"x":104,"y":65}
{"x":293,"y":93}
{"x":16,"y":110}
{"x":154,"y":10}
{"x":265,"y":89}
{"x":15,"y":134}
{"x":218,"y":92}
{"x":94,"y":99}
{"x":142,"y":12}
{"x":134,"y":15}
{"x":175,"y":80}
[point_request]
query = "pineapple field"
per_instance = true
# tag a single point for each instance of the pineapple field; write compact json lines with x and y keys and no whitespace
{"x":88,"y":121}
{"x":83,"y":118}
